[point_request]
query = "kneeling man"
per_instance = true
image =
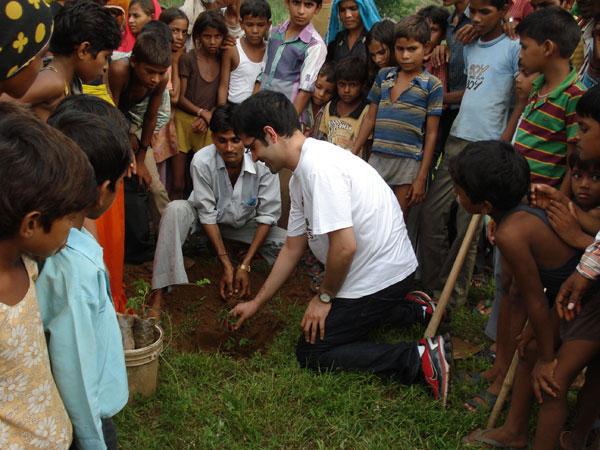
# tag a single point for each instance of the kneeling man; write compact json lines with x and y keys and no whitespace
{"x":233,"y":198}
{"x":354,"y":226}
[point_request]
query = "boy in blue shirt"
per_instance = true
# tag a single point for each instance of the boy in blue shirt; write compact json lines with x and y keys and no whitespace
{"x":84,"y":340}
{"x":406,"y":105}
{"x":491,"y":65}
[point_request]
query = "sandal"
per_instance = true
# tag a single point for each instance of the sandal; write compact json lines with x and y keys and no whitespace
{"x":482,"y":402}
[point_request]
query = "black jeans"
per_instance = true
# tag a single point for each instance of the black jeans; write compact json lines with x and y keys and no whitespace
{"x":110,"y":435}
{"x":347,"y":326}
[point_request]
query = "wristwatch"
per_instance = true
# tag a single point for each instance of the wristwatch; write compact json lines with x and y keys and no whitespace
{"x":325,"y":297}
{"x":245,"y":268}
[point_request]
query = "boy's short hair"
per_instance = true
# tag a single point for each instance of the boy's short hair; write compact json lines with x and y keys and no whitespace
{"x":491,"y":171}
{"x":589,"y":104}
{"x":94,"y":105}
{"x":265,"y":108}
{"x":170,"y":14}
{"x":552,"y":24}
{"x":107,"y":148}
{"x":153,"y":46}
{"x":351,"y":68}
{"x":587,"y":165}
{"x":499,"y":4}
{"x":437,"y":15}
{"x":40,"y":170}
{"x":255,"y":8}
{"x":328,"y":71}
{"x":220,"y":121}
{"x":84,"y":21}
{"x":209,"y":19}
{"x":159,"y":27}
{"x":146,"y":5}
{"x":413,"y":27}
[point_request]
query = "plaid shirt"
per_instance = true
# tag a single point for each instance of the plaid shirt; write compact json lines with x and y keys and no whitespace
{"x":589,"y":266}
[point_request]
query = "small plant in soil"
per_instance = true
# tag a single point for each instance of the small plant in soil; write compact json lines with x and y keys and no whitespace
{"x":225,"y":318}
{"x":137,"y":329}
{"x":202,"y":282}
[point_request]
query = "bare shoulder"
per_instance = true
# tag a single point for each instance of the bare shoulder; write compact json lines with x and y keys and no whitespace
{"x":47,"y":87}
{"x":118,"y":71}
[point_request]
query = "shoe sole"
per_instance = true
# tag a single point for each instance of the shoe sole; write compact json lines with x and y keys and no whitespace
{"x":445,"y":345}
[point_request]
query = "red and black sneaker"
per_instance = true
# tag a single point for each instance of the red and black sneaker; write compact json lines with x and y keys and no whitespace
{"x":435,"y":364}
{"x":423,"y":300}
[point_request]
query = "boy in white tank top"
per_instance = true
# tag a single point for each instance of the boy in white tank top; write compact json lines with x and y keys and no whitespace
{"x":241,"y":65}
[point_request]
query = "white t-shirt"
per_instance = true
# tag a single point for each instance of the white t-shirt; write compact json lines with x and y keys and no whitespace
{"x":332,"y":189}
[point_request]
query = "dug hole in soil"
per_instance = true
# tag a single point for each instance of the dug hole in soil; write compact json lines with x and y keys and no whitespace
{"x":197,"y":314}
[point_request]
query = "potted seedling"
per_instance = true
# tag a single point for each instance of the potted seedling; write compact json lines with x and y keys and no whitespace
{"x":142,"y":341}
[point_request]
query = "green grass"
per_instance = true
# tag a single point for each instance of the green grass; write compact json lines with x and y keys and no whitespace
{"x":267,"y":402}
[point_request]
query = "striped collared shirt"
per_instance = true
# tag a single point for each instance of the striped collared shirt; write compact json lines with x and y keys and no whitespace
{"x":546,"y":126}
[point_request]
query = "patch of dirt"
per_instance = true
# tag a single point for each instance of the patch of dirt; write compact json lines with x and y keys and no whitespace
{"x":198,"y":313}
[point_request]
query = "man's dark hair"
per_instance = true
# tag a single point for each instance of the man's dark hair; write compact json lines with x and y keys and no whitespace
{"x":84,"y":21}
{"x":491,"y":171}
{"x":146,"y":5}
{"x":221,"y":120}
{"x":40,"y":170}
{"x":589,"y":104}
{"x":107,"y":147}
{"x":351,"y":68}
{"x":209,"y":19}
{"x":413,"y":27}
{"x":265,"y":108}
{"x":552,"y":24}
{"x":153,"y":45}
{"x":587,"y":165}
{"x":255,"y":8}
{"x":437,"y":15}
{"x":328,"y":71}
{"x":170,"y":14}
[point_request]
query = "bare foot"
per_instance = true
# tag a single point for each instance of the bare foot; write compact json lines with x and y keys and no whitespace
{"x":496,"y":437}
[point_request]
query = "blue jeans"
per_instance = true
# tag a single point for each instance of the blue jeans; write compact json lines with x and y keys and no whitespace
{"x":346,"y":347}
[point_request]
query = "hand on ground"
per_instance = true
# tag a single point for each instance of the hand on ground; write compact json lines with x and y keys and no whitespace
{"x":240,"y":313}
{"x":241,"y":284}
{"x":314,"y":319}
{"x":226,"y":283}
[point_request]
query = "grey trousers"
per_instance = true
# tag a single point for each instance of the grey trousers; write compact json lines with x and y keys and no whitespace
{"x":437,"y":253}
{"x":178,"y":220}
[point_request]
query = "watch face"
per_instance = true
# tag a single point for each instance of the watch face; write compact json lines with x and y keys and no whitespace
{"x":325,"y":298}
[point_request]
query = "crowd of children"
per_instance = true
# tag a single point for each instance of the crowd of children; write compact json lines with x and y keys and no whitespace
{"x":478,"y":107}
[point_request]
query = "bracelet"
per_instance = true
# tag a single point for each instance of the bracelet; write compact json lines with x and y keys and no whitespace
{"x":244,"y":267}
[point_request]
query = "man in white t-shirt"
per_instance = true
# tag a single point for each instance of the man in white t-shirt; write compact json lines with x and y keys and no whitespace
{"x":354,"y":226}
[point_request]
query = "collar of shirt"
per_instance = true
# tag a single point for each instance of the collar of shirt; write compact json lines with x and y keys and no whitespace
{"x":305,"y":35}
{"x":355,"y":114}
{"x":82,"y":241}
{"x":247,"y":163}
{"x":422,"y":79}
{"x":558,"y":90}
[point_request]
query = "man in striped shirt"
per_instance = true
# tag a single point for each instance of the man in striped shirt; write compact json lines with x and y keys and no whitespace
{"x":547,"y":128}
